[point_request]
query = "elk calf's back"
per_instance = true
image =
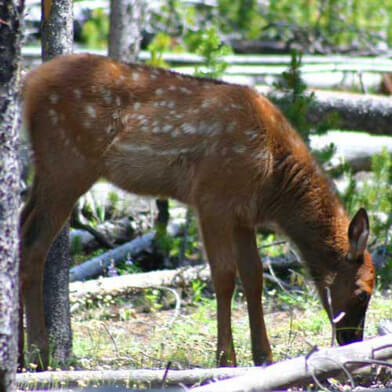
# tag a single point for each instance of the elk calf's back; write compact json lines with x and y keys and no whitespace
{"x":219,"y":147}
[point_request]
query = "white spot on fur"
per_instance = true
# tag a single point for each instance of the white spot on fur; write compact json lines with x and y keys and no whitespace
{"x":125,"y":119}
{"x":239,"y":149}
{"x":115,"y":115}
{"x":207,"y":103}
{"x":53,"y":116}
{"x":90,"y":110}
{"x":53,"y":98}
{"x":159,"y":91}
{"x":78,"y":93}
{"x":175,"y":133}
{"x":118,"y":101}
{"x":167,"y":128}
{"x":171,"y":104}
{"x":236,"y":106}
{"x":188,"y":129}
{"x":185,"y":90}
{"x":172,"y":88}
{"x":216,"y":127}
{"x":260,"y":155}
{"x":153,"y":76}
{"x":106,"y":95}
{"x":231,"y":127}
{"x":136,"y":106}
{"x":135,"y":76}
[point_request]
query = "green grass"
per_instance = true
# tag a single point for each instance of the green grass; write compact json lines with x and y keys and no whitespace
{"x":105,"y":338}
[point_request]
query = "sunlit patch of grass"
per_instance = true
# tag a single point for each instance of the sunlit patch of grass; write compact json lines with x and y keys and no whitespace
{"x":103,"y":338}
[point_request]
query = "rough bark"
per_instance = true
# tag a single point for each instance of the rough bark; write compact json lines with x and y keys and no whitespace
{"x":370,"y":113}
{"x":127,"y":18}
{"x":57,"y":38}
{"x":57,"y":28}
{"x":11,"y":14}
{"x":56,"y":298}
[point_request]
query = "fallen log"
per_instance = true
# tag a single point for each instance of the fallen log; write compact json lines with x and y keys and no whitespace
{"x":354,"y":148}
{"x":370,"y":113}
{"x":300,"y":371}
{"x":97,"y":265}
{"x":180,"y":277}
{"x":117,"y":231}
{"x":120,"y":285}
{"x":122,"y":378}
{"x":317,"y":365}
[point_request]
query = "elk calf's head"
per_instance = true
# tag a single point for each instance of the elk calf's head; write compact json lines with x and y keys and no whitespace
{"x":348,"y":296}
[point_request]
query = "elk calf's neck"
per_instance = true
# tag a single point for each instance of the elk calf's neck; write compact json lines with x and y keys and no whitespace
{"x":219,"y":147}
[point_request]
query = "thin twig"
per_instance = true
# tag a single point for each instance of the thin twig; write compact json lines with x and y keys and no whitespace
{"x":371,"y":362}
{"x":111,"y":338}
{"x":308,"y":358}
{"x":278,"y":281}
{"x":165,"y":374}
{"x":178,"y":304}
{"x":276,"y":243}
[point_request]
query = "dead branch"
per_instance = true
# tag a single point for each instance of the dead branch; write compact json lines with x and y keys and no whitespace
{"x":180,"y":277}
{"x":123,"y":284}
{"x":97,"y":265}
{"x":300,"y":371}
{"x":294,"y":372}
{"x":126,"y":378}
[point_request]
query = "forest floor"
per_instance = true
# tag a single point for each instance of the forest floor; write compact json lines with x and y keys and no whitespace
{"x":145,"y":331}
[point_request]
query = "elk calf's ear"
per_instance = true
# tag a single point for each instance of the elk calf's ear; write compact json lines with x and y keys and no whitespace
{"x":358,"y":234}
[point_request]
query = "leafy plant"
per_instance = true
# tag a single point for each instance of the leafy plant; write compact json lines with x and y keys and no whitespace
{"x":375,"y":195}
{"x":161,"y":43}
{"x":296,"y":104}
{"x":207,"y":44}
{"x":95,"y":31}
{"x":197,"y":289}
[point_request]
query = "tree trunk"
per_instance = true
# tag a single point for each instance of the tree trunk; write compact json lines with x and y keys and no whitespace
{"x":11,"y":14}
{"x":57,"y":39}
{"x":127,"y":18}
{"x":56,"y":298}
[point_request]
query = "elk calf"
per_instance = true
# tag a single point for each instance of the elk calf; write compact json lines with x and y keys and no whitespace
{"x":219,"y":147}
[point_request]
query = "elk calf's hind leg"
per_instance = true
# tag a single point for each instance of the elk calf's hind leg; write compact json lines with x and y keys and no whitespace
{"x":48,"y":208}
